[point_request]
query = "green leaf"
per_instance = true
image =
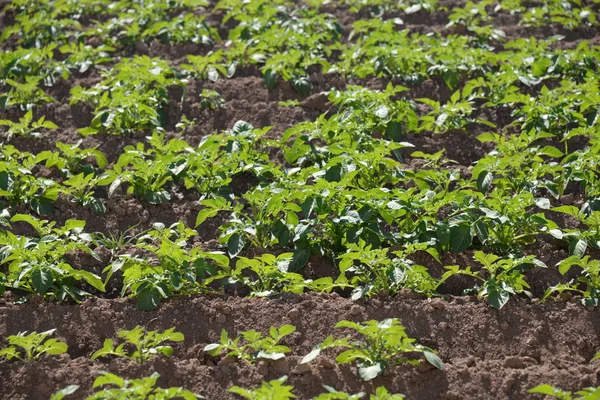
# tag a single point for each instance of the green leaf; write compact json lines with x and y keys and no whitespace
{"x":270,"y":79}
{"x":567,"y":263}
{"x":311,"y":356}
{"x":299,"y":259}
{"x":113,"y":186}
{"x":542,"y":203}
{"x":4,"y":180}
{"x":451,"y":79}
{"x":433,"y":359}
{"x":107,"y":349}
{"x":282,"y":233}
{"x":42,"y":279}
{"x":97,"y":206}
{"x":88,"y":131}
{"x":484,"y":181}
{"x":156,"y":197}
{"x":578,"y":247}
{"x":498,"y":298}
{"x":204,"y":214}
{"x":109,"y":379}
{"x":370,"y":372}
{"x":54,"y":347}
{"x":551,"y":151}
{"x":42,"y":206}
{"x":270,"y":356}
{"x":544,"y":389}
{"x":460,"y":238}
{"x":148,"y":300}
{"x":394,"y":131}
{"x":212,"y":348}
{"x":382,"y":112}
{"x":61,"y":394}
{"x":92,"y":279}
{"x":235,"y":245}
{"x":302,"y":85}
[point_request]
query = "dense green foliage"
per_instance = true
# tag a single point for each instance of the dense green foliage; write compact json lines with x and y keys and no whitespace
{"x":357,"y":187}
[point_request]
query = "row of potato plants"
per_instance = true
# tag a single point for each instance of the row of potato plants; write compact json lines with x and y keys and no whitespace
{"x":341,"y":190}
{"x":383,"y":344}
{"x":165,"y":265}
{"x":306,"y":40}
{"x":128,"y":22}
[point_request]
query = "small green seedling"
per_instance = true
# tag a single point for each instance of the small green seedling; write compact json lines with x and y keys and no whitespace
{"x":32,"y":346}
{"x":267,"y":391}
{"x":147,"y":344}
{"x":384,"y":343}
{"x":26,"y":126}
{"x":255,"y":347}
{"x":589,"y":393}
{"x":143,"y":388}
{"x":61,"y":394}
{"x":381,"y":393}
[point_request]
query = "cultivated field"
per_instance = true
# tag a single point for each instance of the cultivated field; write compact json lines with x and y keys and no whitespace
{"x":265,"y":199}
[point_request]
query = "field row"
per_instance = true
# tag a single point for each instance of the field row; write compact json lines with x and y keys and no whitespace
{"x":519,"y":342}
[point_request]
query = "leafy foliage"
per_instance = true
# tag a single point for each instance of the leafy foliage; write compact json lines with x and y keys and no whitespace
{"x":136,"y":388}
{"x":383,"y":344}
{"x":255,"y":346}
{"x":30,"y":347}
{"x":274,"y":389}
{"x":146,"y":344}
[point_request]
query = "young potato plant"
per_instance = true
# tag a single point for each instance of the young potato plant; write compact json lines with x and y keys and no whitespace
{"x":381,"y":393}
{"x":132,"y":97}
{"x":19,"y":186}
{"x":268,"y":275}
{"x":146,"y":171}
{"x":580,"y":239}
{"x":71,"y":160}
{"x":501,"y":222}
{"x":171,"y":269}
{"x":455,"y":114}
{"x":384,"y":343}
{"x":210,"y":66}
{"x":67,"y":391}
{"x":21,"y":63}
{"x":26,"y":95}
{"x":188,"y":28}
{"x":251,"y":346}
{"x":372,"y":272}
{"x":82,"y":57}
{"x":30,"y":347}
{"x":375,"y":111}
{"x":500,"y":277}
{"x":26,"y":126}
{"x":80,"y":188}
{"x":375,"y":53}
{"x":146,"y":344}
{"x":287,"y":40}
{"x":588,"y":281}
{"x":39,"y":265}
{"x":41,"y":27}
{"x":517,"y":165}
{"x":270,"y":219}
{"x":590,"y":393}
{"x":142,"y":388}
{"x":274,"y":389}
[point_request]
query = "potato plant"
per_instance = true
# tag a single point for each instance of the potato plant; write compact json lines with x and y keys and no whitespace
{"x":146,"y":344}
{"x":31,"y":347}
{"x":383,"y":344}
